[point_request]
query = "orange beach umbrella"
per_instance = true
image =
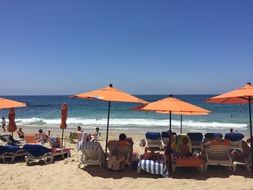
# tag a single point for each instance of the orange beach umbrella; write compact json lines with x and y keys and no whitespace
{"x":242,"y":95}
{"x":6,"y":103}
{"x":64,"y":115}
{"x":171,"y":106}
{"x":184,"y":113}
{"x":12,"y":125}
{"x":181,"y":113}
{"x":109,"y":94}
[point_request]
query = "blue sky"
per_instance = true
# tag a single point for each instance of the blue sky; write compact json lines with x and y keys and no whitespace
{"x":142,"y":47}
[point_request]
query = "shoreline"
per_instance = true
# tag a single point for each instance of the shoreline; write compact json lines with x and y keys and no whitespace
{"x":56,"y":131}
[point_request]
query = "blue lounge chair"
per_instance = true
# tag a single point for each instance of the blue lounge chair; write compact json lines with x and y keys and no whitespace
{"x":165,"y":137}
{"x":153,"y":140}
{"x":234,"y":136}
{"x":9,"y":152}
{"x":235,"y":140}
{"x":196,"y":140}
{"x":210,"y":136}
{"x":40,"y":152}
{"x":8,"y":139}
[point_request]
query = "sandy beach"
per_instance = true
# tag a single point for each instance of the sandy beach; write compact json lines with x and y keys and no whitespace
{"x":65,"y":174}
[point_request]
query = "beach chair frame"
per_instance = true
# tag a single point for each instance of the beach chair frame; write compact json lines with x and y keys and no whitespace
{"x":92,"y":154}
{"x":122,"y":148}
{"x":10,"y":156}
{"x":218,"y":155}
{"x":155,"y":144}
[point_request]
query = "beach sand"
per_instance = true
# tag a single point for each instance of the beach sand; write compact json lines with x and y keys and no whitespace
{"x":65,"y":174}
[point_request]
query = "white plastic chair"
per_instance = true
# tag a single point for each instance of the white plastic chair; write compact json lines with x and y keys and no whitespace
{"x":92,"y":154}
{"x":218,"y":154}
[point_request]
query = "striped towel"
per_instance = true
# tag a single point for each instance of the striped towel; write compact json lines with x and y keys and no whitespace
{"x":88,"y":145}
{"x":154,"y":167}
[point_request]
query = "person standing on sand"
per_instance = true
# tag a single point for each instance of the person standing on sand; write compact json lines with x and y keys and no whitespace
{"x":95,"y":136}
{"x":3,"y":124}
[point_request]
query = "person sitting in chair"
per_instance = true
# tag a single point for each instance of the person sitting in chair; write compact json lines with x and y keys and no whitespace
{"x":41,"y":136}
{"x":123,"y":137}
{"x":184,"y":148}
{"x":20,"y":133}
{"x":152,"y":156}
{"x":79,"y":129}
{"x":238,"y":155}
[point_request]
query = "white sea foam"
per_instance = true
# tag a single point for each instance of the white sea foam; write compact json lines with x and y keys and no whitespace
{"x":129,"y":122}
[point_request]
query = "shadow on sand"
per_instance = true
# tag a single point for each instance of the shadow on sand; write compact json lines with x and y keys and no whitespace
{"x":181,"y":173}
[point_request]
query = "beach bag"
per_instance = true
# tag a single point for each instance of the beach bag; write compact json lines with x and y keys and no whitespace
{"x":55,"y":142}
{"x":116,"y":163}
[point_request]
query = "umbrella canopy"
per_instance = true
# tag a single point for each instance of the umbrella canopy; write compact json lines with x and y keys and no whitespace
{"x":206,"y":112}
{"x":6,"y":103}
{"x":171,"y":105}
{"x":64,"y":115}
{"x":109,"y":94}
{"x":242,"y":95}
{"x":238,"y":96}
{"x":12,"y":125}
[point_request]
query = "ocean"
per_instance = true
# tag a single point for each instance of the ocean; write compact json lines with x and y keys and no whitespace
{"x":44,"y":111}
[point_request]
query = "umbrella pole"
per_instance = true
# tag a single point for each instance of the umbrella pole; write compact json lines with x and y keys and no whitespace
{"x":62,"y":137}
{"x":170,"y":144}
{"x":107,"y":129}
{"x":250,"y":128}
{"x":181,"y":124}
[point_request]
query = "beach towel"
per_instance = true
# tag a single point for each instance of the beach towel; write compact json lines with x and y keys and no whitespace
{"x":165,"y":134}
{"x":92,"y":153}
{"x":36,"y":150}
{"x":93,"y":145}
{"x":195,"y":136}
{"x":213,"y":135}
{"x":9,"y":140}
{"x":55,"y":142}
{"x":9,"y":148}
{"x":9,"y":152}
{"x":234,"y":136}
{"x":153,"y":167}
{"x":153,"y":135}
{"x":116,"y":163}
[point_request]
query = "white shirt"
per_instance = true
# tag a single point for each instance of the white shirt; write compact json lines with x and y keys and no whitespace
{"x":3,"y":122}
